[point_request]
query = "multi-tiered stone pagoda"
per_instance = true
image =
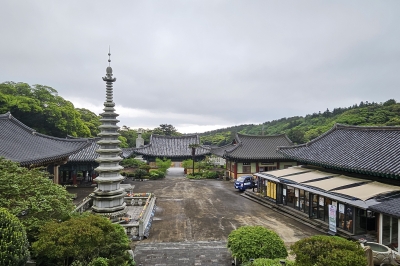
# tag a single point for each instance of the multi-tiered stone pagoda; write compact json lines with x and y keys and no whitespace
{"x":108,"y":198}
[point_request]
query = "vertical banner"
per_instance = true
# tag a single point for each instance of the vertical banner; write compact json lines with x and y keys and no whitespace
{"x":332,"y":218}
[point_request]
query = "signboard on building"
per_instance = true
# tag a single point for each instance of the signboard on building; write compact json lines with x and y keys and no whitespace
{"x":332,"y":218}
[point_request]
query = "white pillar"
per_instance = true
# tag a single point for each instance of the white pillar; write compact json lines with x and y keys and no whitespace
{"x":380,"y":228}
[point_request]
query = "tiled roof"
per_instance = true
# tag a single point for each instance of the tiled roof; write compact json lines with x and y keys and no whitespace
{"x":172,"y":146}
{"x":22,"y":144}
{"x":365,"y":150}
{"x":257,"y":147}
{"x":389,"y":207}
{"x":220,"y":151}
{"x":89,"y":153}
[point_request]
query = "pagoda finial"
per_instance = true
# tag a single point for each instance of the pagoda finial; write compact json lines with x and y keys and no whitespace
{"x":109,"y":75}
{"x":109,"y":55}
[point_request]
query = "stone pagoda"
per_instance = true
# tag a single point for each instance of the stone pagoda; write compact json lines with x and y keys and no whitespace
{"x":108,"y":198}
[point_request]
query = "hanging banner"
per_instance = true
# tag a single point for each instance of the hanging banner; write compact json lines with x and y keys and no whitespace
{"x":341,"y":208}
{"x":321,"y":201}
{"x":332,"y":218}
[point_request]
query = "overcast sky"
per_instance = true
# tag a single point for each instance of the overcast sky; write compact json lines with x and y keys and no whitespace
{"x":202,"y":65}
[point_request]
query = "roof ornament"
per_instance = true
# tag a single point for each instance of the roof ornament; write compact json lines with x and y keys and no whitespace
{"x":109,"y":55}
{"x":109,"y":69}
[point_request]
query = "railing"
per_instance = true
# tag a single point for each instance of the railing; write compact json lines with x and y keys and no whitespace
{"x":85,"y":204}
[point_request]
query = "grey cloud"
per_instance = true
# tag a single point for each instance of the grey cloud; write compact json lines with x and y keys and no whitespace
{"x":217,"y":62}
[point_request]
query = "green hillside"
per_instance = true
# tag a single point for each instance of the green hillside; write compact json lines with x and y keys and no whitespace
{"x":303,"y":129}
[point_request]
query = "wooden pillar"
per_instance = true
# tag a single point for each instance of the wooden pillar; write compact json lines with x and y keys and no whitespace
{"x":278,"y":165}
{"x":380,"y":228}
{"x":74,"y":178}
{"x":235,"y":174}
{"x":257,"y":168}
{"x":56,"y":179}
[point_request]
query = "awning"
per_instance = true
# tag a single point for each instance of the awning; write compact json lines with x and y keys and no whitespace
{"x":307,"y":176}
{"x":368,"y":190}
{"x":335,"y":182}
{"x":270,"y":178}
{"x":287,"y":171}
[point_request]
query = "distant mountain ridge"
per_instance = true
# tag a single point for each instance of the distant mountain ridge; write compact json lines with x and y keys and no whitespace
{"x":303,"y":129}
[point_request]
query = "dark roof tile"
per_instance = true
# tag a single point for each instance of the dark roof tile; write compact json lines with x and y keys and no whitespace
{"x":172,"y":146}
{"x":365,"y":150}
{"x":22,"y":144}
{"x":256,"y":147}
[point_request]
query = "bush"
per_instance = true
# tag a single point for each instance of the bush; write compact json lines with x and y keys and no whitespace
{"x":83,"y":238}
{"x":13,"y":240}
{"x":155,"y":174}
{"x":253,"y":242}
{"x":211,"y":174}
{"x":30,"y":195}
{"x":269,"y":262}
{"x":163,"y":164}
{"x":140,"y":173}
{"x":131,"y":162}
{"x":328,"y":250}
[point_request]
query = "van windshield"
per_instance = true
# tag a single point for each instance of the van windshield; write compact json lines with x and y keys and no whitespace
{"x":241,"y":178}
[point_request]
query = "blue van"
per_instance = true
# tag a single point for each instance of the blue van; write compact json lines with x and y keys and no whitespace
{"x":244,"y":182}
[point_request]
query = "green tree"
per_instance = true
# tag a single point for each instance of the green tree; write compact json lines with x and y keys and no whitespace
{"x":41,"y":108}
{"x":13,"y":241}
{"x":328,"y":250}
{"x":163,"y":164}
{"x":32,"y":196}
{"x":83,"y":238}
{"x":253,"y":242}
{"x":91,"y":120}
{"x":166,"y":130}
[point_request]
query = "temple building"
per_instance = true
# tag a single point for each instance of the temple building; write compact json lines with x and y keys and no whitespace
{"x":254,"y":153}
{"x":80,"y":168}
{"x":176,"y":148}
{"x":22,"y":144}
{"x":108,"y":198}
{"x":348,"y":182}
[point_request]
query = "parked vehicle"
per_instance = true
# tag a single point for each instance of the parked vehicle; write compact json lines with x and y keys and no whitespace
{"x":244,"y":182}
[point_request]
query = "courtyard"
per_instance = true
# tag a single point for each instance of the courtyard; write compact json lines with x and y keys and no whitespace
{"x":194,"y":218}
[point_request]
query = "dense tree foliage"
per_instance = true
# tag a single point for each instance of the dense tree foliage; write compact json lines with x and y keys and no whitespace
{"x":166,"y":130}
{"x":32,"y":196}
{"x":303,"y":129}
{"x":323,"y":250}
{"x":82,"y":238}
{"x":253,"y":242}
{"x":13,"y":241}
{"x":41,"y":108}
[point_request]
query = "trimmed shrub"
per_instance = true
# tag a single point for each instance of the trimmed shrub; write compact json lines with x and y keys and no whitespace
{"x":211,"y":174}
{"x":269,"y":262}
{"x":13,"y":240}
{"x":131,"y":162}
{"x":140,"y":173}
{"x":328,"y":250}
{"x":253,"y":242}
{"x":157,"y":174}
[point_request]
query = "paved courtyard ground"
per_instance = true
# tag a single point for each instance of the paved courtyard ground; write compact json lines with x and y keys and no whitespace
{"x":194,"y":218}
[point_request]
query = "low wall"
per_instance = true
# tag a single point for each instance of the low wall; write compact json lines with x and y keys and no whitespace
{"x":136,"y":226}
{"x":139,"y":227}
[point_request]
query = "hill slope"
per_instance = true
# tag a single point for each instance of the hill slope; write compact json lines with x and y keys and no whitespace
{"x":303,"y":129}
